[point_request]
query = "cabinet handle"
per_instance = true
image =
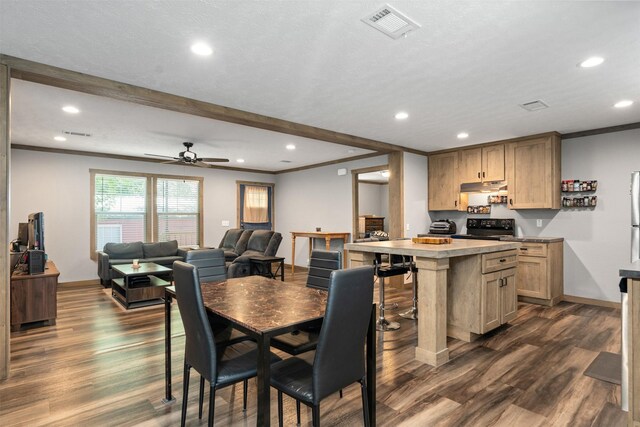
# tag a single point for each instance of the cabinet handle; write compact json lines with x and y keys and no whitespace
{"x":483,"y":174}
{"x":503,"y":260}
{"x":478,"y":174}
{"x":455,"y":203}
{"x":511,"y":201}
{"x":501,"y":283}
{"x":524,"y":249}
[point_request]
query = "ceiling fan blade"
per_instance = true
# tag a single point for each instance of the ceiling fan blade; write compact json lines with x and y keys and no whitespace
{"x":159,"y":155}
{"x":200,"y":164}
{"x":173,"y":162}
{"x":213,"y":159}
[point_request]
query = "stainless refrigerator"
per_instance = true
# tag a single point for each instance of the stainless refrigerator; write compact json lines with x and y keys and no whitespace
{"x":635,"y":216}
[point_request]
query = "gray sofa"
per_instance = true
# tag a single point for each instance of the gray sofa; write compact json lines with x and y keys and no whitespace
{"x":234,"y":242}
{"x":260,"y":242}
{"x":162,"y":253}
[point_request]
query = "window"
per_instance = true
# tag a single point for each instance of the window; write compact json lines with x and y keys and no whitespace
{"x":129,"y":207}
{"x":255,"y":205}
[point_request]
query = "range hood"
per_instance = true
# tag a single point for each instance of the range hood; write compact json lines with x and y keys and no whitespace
{"x":483,"y":187}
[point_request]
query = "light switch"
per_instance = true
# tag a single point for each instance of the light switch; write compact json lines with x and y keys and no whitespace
{"x":225,"y":223}
{"x":538,"y":223}
{"x":408,"y":227}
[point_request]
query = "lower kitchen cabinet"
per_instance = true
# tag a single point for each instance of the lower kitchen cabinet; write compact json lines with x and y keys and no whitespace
{"x":540,"y":277}
{"x":500,"y":299}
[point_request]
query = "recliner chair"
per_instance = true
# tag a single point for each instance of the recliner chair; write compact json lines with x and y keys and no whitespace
{"x":234,"y":243}
{"x":261,"y":242}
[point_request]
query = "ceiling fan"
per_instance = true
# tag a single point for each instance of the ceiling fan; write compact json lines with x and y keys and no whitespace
{"x":189,"y":157}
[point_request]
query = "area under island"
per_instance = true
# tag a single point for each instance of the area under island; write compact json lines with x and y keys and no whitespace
{"x":465,"y":288}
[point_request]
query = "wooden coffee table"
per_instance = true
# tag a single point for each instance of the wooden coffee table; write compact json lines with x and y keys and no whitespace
{"x":139,"y":287}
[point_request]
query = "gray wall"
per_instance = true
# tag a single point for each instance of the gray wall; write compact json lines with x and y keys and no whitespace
{"x":374,"y":200}
{"x":415,"y":195}
{"x":597,"y":240}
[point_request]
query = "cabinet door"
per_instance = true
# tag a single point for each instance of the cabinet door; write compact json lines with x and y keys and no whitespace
{"x":509,"y":295}
{"x":493,"y":163}
{"x":532,"y":277}
{"x":471,"y":165}
{"x":533,"y":173}
{"x":491,"y":300}
{"x":443,"y":182}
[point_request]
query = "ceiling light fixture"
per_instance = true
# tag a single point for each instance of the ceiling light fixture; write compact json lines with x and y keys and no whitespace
{"x":463,"y":135}
{"x":60,"y":138}
{"x":594,"y":61}
{"x":240,"y":160}
{"x":623,"y":104}
{"x":201,"y":49}
{"x":291,"y":147}
{"x":402,"y":115}
{"x":386,"y":174}
{"x":70,"y":109}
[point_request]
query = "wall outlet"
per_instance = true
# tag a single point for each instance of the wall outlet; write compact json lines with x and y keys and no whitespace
{"x":538,"y":223}
{"x":408,"y":227}
{"x":225,"y":223}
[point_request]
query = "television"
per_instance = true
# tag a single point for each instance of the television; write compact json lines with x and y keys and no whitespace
{"x":36,"y":231}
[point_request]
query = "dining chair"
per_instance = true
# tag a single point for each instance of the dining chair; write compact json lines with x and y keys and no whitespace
{"x":221,"y":365}
{"x":321,"y":264}
{"x":339,"y":357}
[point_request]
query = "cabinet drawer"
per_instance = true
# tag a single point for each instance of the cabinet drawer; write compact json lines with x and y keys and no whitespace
{"x":497,"y":261}
{"x":533,"y":249}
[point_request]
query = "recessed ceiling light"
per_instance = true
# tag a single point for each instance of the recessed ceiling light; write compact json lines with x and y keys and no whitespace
{"x":463,"y":135}
{"x":386,"y":174}
{"x":592,"y":62}
{"x":351,"y":151}
{"x":70,"y":109}
{"x":402,"y":115}
{"x":201,"y":49}
{"x":291,"y":147}
{"x":240,"y":160}
{"x":60,"y":138}
{"x":623,"y":104}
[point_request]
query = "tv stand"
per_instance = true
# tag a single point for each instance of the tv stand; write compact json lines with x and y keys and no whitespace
{"x":33,"y":297}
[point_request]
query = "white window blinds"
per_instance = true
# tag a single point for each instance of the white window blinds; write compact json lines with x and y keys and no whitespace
{"x":178,"y":210}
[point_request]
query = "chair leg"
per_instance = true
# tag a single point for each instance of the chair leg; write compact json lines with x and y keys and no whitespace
{"x":212,"y":405}
{"x":185,"y":394}
{"x":280,"y":415}
{"x":245,"y":389}
{"x":201,"y":397}
{"x":412,"y":313}
{"x":365,"y":402}
{"x":383,"y":324}
{"x":315,"y":410}
{"x":298,"y":411}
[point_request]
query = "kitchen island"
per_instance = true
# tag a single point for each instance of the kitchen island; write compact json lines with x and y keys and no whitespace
{"x":473,"y":260}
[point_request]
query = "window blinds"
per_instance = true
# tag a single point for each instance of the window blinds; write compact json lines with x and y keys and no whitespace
{"x":178,"y":211}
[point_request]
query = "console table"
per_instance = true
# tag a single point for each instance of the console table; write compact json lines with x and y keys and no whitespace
{"x":33,"y":297}
{"x":327,"y":236}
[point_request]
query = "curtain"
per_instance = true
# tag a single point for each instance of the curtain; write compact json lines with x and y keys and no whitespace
{"x":256,"y":204}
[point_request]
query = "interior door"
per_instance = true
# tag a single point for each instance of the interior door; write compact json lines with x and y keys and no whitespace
{"x":255,"y":206}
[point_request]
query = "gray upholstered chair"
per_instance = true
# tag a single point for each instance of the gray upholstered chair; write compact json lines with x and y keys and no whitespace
{"x":234,"y":243}
{"x":339,"y":358}
{"x":210,"y":263}
{"x":261,"y":242}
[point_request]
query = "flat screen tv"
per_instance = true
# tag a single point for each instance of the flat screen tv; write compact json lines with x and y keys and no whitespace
{"x":36,"y":231}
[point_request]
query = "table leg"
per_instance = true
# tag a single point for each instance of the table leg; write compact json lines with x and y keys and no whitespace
{"x":327,"y":243}
{"x":293,"y":255}
{"x":168,"y":398}
{"x":310,"y":248}
{"x":371,"y":366}
{"x":282,"y":270}
{"x":432,"y":304}
{"x":264,"y":381}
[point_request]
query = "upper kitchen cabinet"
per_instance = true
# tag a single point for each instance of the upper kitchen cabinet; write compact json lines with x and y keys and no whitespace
{"x":533,"y":172}
{"x":482,"y":164}
{"x":444,"y":185}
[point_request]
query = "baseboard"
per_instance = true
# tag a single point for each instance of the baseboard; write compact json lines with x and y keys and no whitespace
{"x":591,"y":301}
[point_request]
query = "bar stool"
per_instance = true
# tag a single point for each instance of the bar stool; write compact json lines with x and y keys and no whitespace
{"x":412,"y":313}
{"x":389,"y":271}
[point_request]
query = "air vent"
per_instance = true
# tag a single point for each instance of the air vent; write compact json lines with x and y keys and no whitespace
{"x":534,"y":105}
{"x":390,"y":22}
{"x":285,"y":161}
{"x":67,"y":132}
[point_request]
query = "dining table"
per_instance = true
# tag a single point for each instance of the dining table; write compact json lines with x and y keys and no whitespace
{"x":262,"y":308}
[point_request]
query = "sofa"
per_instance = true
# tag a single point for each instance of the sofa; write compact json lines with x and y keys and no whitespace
{"x":162,"y":253}
{"x":260,"y":242}
{"x":234,"y":242}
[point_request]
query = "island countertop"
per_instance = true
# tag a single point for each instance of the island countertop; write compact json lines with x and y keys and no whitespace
{"x":459,"y":247}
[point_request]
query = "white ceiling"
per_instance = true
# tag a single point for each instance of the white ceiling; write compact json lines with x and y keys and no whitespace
{"x":313,"y":62}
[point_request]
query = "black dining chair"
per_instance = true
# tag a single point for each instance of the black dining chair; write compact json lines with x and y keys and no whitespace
{"x":321,"y":264}
{"x":221,"y":365}
{"x":339,"y":357}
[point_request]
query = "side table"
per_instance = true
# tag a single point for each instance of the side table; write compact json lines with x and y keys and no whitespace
{"x":33,"y":297}
{"x":265,"y":262}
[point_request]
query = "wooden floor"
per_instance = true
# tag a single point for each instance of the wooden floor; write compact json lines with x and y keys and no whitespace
{"x":101,"y":365}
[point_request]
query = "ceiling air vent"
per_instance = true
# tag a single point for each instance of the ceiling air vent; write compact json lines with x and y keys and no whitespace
{"x":67,"y":132}
{"x":391,"y":22}
{"x":285,"y":161}
{"x":534,"y":105}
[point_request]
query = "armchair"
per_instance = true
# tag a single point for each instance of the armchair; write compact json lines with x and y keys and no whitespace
{"x":261,"y":242}
{"x":234,"y":243}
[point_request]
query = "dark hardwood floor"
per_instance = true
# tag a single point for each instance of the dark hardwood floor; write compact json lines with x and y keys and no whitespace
{"x":100,"y":365}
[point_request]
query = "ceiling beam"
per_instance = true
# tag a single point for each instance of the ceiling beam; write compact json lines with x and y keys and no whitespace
{"x":58,"y":77}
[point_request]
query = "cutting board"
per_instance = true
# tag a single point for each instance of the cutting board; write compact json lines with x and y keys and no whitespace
{"x":432,"y":240}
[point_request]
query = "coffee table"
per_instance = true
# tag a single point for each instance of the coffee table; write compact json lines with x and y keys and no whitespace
{"x":139,"y":287}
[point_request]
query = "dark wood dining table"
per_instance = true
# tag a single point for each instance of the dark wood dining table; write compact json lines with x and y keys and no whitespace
{"x":262,"y":308}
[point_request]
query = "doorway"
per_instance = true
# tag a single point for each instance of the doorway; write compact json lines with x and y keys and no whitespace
{"x":255,"y":205}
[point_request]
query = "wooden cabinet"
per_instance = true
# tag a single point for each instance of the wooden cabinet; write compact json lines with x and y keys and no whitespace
{"x":482,"y":164}
{"x":481,"y":293}
{"x":540,"y":273}
{"x":443,"y":183}
{"x":367,"y":224}
{"x":33,"y":297}
{"x":533,"y":173}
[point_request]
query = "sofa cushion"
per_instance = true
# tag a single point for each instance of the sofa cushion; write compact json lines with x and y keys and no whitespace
{"x":259,"y":240}
{"x":130,"y":250}
{"x":167,"y":261}
{"x":160,"y":249}
{"x":230,"y":238}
